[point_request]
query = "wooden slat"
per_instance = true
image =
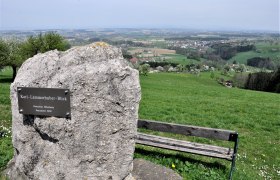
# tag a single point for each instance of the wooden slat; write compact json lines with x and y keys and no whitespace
{"x":220,"y":134}
{"x":184,"y":146}
{"x":180,"y":143}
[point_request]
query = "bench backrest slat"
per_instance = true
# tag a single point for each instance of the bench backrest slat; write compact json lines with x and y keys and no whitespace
{"x":188,"y":130}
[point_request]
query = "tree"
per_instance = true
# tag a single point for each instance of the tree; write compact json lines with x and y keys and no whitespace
{"x":144,"y":69}
{"x":13,"y":53}
{"x":43,"y":43}
{"x":4,"y":53}
{"x":15,"y":56}
{"x":10,"y":55}
{"x":53,"y":41}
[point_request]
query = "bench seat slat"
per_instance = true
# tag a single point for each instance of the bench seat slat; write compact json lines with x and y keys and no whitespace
{"x":187,"y":130}
{"x":184,"y":146}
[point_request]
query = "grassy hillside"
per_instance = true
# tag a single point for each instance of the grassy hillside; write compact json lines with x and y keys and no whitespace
{"x":188,"y":99}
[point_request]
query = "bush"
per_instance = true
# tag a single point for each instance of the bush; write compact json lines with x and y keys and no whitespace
{"x":226,"y":70}
{"x":212,"y":75}
{"x":144,"y":69}
{"x":180,"y":67}
{"x":239,"y":80}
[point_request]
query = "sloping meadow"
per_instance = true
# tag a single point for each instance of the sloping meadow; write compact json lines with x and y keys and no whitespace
{"x":192,"y":100}
{"x":188,"y":99}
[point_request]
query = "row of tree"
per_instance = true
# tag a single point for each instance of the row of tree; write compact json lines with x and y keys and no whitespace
{"x":261,"y":62}
{"x":159,"y":63}
{"x":263,"y":81}
{"x":13,"y":52}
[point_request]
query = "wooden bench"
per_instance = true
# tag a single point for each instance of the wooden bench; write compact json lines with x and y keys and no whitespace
{"x":190,"y":147}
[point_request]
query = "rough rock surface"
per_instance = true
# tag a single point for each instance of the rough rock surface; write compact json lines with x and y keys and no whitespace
{"x":98,"y":141}
{"x":145,"y":170}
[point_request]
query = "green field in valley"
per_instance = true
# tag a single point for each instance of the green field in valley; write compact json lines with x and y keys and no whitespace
{"x":179,"y":59}
{"x":195,"y":100}
{"x":262,"y":50}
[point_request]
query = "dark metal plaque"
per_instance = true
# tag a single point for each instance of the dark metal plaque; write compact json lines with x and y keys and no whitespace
{"x":44,"y":101}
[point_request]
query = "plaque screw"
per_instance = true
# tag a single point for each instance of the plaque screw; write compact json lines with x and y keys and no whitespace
{"x":21,"y":110}
{"x":67,"y":114}
{"x":66,"y":91}
{"x":19,"y":89}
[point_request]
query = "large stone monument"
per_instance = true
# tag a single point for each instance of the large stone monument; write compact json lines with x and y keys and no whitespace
{"x":97,"y":141}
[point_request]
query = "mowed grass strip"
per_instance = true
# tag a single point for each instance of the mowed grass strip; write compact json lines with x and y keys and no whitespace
{"x":188,"y":99}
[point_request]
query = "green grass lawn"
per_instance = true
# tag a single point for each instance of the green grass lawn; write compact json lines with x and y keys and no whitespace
{"x":6,"y":149}
{"x":193,"y":100}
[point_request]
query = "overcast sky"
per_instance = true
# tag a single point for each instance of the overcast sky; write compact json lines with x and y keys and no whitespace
{"x":193,"y":14}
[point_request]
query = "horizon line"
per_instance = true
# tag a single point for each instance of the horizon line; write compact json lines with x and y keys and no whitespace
{"x":148,"y":28}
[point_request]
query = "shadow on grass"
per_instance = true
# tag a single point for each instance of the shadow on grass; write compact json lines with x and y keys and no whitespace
{"x":6,"y":79}
{"x":182,"y":158}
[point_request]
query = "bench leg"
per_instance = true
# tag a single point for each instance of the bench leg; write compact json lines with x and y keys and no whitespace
{"x":233,"y":158}
{"x":232,"y":167}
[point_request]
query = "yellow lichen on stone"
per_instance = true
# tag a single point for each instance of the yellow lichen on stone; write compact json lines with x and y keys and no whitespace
{"x":100,"y":44}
